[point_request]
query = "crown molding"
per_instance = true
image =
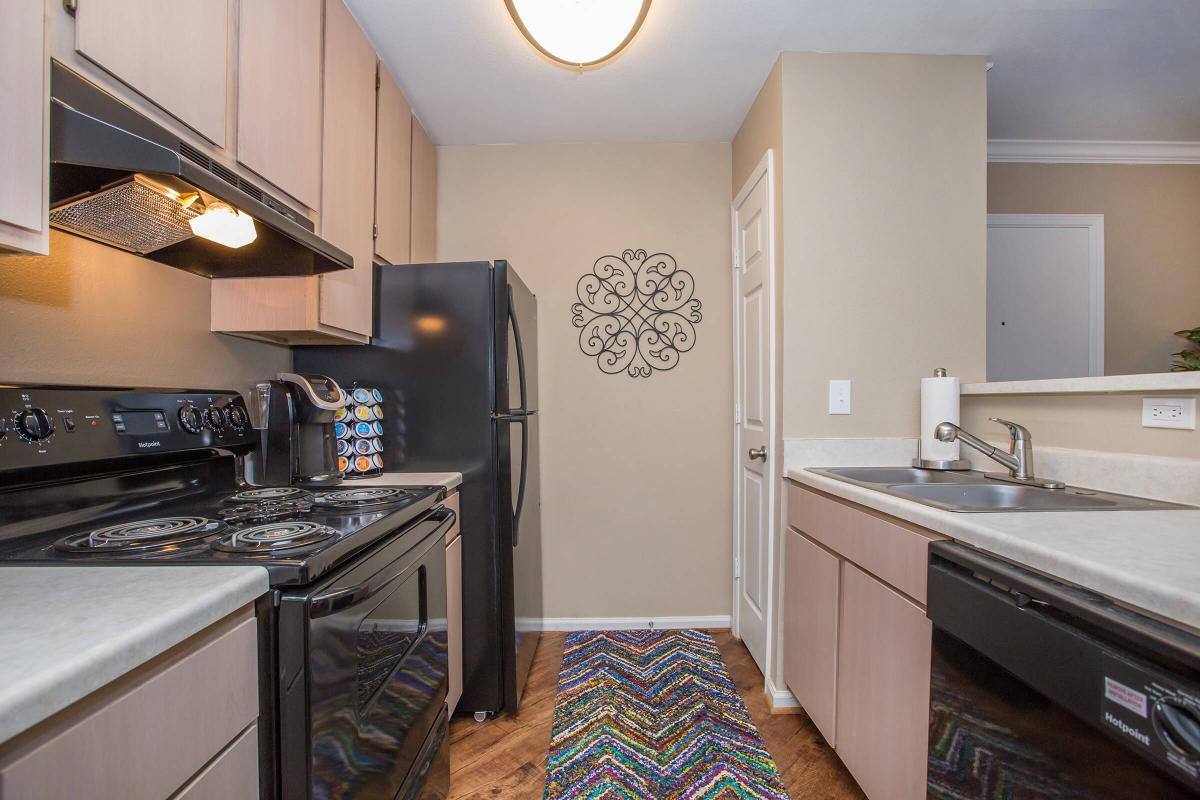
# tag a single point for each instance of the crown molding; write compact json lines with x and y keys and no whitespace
{"x":1062,"y":151}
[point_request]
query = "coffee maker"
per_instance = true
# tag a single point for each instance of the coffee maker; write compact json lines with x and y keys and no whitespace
{"x":295,"y":425}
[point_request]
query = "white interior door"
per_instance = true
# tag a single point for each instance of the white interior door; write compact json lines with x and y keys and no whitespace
{"x":1045,"y":296}
{"x":754,"y":440}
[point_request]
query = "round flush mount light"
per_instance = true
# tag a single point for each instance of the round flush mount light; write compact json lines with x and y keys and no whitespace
{"x":580,"y":34}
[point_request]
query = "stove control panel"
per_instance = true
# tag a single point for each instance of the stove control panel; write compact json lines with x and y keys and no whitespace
{"x":56,"y":426}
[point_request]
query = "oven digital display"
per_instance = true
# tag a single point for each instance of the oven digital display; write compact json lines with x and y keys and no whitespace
{"x":140,"y":423}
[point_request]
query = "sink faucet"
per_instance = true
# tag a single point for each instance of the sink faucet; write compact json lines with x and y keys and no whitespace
{"x":1018,"y":459}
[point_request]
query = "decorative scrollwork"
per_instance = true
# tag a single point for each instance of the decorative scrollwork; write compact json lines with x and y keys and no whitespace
{"x":636,"y":313}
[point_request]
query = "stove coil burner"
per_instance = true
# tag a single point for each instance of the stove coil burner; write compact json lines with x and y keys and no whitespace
{"x":270,"y":494}
{"x":142,"y":535}
{"x":266,"y":511}
{"x":366,"y":497}
{"x":290,"y":535}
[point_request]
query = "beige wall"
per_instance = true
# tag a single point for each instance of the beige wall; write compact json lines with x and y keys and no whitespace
{"x":92,"y":315}
{"x":1151,"y":246}
{"x":884,"y":194}
{"x":636,"y":473}
{"x":1111,"y":423}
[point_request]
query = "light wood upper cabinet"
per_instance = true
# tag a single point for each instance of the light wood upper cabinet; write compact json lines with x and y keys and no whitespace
{"x":810,"y":629}
{"x":393,"y":172}
{"x":883,"y":688}
{"x":24,"y":224}
{"x":424,"y":196}
{"x":348,"y":169}
{"x":175,"y":54}
{"x":279,"y":92}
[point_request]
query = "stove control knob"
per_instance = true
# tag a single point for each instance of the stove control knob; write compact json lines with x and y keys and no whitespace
{"x":216,"y":418}
{"x":191,"y":419}
{"x":237,"y":418}
{"x":33,"y":424}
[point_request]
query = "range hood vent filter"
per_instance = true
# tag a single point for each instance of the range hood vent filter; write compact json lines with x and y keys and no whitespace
{"x":130,"y":215}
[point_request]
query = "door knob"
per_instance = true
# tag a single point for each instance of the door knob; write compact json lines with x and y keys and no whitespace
{"x":759,"y":453}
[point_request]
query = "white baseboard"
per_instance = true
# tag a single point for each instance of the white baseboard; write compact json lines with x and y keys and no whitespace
{"x":781,"y":698}
{"x":628,"y":623}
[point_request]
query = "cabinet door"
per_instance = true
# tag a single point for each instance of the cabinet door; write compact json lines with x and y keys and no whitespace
{"x":393,"y":172}
{"x":810,"y":629}
{"x":23,"y":96}
{"x":883,"y":688}
{"x":348,"y":169}
{"x":175,"y":54}
{"x":424,"y":196}
{"x":454,"y":620}
{"x":279,"y":94}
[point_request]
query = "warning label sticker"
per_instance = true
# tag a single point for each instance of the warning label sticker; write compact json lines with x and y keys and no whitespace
{"x":1125,"y":696}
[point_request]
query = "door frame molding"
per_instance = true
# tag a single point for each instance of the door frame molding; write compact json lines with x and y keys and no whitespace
{"x":764,"y":168}
{"x":1094,"y":225}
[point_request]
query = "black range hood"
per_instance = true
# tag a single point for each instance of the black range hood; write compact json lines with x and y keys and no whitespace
{"x":117,"y":177}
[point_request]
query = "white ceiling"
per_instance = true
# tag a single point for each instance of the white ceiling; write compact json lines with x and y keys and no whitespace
{"x":1064,"y":69}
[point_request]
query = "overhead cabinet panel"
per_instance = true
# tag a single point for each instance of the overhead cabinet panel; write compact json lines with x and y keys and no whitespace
{"x":279,"y":93}
{"x":424,"y":196}
{"x":175,"y":54}
{"x":23,"y":221}
{"x":393,"y":172}
{"x":348,"y":169}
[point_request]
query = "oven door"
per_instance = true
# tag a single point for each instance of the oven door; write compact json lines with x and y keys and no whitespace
{"x":375,"y":671}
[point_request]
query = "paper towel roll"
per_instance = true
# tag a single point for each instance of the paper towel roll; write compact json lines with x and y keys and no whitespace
{"x":939,"y":403}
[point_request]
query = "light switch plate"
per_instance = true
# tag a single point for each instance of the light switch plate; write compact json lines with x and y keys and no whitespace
{"x":1169,"y":412}
{"x":839,"y":397}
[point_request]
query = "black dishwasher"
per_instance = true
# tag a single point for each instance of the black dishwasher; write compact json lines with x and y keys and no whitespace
{"x":1042,"y":690}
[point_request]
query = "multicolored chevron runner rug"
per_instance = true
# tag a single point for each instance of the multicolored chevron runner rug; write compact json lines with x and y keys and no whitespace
{"x":653,"y":715}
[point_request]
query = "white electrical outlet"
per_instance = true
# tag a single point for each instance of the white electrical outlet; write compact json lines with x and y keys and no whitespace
{"x":1169,"y":412}
{"x":839,"y":397}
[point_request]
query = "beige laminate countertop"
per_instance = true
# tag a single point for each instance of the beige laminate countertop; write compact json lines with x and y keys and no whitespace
{"x":1145,"y":559}
{"x":448,"y":479}
{"x":67,"y":631}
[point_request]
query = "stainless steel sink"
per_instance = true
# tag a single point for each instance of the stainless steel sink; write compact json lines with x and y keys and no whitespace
{"x":972,"y":491}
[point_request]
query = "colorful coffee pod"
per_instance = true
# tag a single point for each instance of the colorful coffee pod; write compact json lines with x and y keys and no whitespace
{"x":377,"y":410}
{"x":363,"y":430}
{"x":378,"y":395}
{"x":343,"y":447}
{"x":362,"y":396}
{"x":343,"y":464}
{"x":376,"y":446}
{"x":362,"y":463}
{"x":341,"y":430}
{"x":364,"y":413}
{"x":377,"y":426}
{"x":377,"y":460}
{"x":363,"y":447}
{"x":340,"y":414}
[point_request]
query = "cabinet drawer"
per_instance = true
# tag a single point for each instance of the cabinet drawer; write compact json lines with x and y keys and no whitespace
{"x":143,"y":737}
{"x":234,"y":773}
{"x":896,"y":554}
{"x":810,"y":623}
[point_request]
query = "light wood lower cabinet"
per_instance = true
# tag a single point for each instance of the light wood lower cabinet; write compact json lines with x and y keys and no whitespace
{"x":152,"y":732}
{"x":810,"y":637}
{"x":883,"y":688}
{"x":856,"y":641}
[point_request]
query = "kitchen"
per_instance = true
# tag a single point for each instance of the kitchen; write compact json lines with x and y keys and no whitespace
{"x":876,"y":166}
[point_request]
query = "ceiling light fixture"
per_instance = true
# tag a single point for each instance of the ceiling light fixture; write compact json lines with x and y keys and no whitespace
{"x":224,"y":224}
{"x":580,"y":34}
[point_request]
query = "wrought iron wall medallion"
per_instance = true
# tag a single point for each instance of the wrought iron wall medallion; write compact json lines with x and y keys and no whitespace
{"x":636,"y":313}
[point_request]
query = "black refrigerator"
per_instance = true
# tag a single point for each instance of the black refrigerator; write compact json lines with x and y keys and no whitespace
{"x":454,"y":352}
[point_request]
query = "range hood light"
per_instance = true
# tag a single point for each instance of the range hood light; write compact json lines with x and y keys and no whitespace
{"x":224,"y":224}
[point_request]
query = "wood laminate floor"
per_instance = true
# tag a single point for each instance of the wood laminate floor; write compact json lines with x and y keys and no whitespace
{"x":505,"y":758}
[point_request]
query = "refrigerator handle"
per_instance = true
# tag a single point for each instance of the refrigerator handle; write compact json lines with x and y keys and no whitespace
{"x":521,"y":486}
{"x":516,"y":326}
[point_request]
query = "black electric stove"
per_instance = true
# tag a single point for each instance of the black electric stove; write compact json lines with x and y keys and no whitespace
{"x":354,"y":634}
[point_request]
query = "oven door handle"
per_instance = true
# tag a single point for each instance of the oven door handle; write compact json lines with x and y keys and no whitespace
{"x":340,"y":599}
